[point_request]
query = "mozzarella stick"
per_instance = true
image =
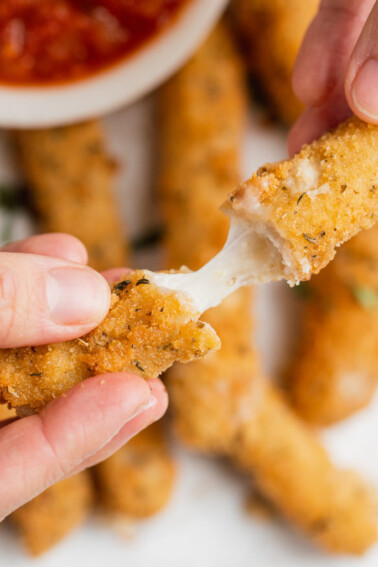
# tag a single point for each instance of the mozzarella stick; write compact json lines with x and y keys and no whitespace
{"x":227,"y":408}
{"x":218,"y":402}
{"x":332,"y":506}
{"x":301,"y":209}
{"x":137,"y":481}
{"x":201,"y":121}
{"x":200,"y":143}
{"x":71,"y":179}
{"x":50,"y":517}
{"x":272,"y":33}
{"x":335,"y":370}
{"x":145,"y":331}
{"x":209,"y":399}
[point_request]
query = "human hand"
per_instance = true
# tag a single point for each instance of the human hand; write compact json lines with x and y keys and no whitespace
{"x":336,"y":72}
{"x":44,"y":299}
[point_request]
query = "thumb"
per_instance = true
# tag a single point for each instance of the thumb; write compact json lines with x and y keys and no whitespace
{"x":45,"y":299}
{"x":361,"y":82}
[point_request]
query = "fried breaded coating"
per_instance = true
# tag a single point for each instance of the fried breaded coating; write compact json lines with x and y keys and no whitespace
{"x":200,"y":145}
{"x":219,"y":403}
{"x":335,"y":370}
{"x":308,"y":205}
{"x":137,"y":481}
{"x":334,"y":507}
{"x":71,"y":178}
{"x":201,"y":121}
{"x":225,"y":407}
{"x":207,"y":400}
{"x":47,"y":519}
{"x":272,"y":33}
{"x":145,"y":331}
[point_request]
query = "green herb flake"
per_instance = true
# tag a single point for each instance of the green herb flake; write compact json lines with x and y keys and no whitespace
{"x":143,"y":281}
{"x":139,"y":366}
{"x":122,"y":285}
{"x":36,"y":374}
{"x":309,"y":238}
{"x":366,"y":296}
{"x":301,"y":197}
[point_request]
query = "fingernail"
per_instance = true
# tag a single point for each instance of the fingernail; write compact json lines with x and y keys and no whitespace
{"x":76,"y":296}
{"x":364,"y":89}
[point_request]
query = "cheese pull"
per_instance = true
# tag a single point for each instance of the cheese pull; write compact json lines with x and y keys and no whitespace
{"x":288,"y":219}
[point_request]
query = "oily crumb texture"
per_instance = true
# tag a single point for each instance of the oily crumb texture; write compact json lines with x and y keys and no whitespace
{"x":271,"y":33}
{"x":317,"y":200}
{"x":200,"y":146}
{"x":137,"y":481}
{"x":201,"y":113}
{"x":334,"y":372}
{"x":146,"y":330}
{"x":50,"y":517}
{"x":208,"y":402}
{"x":334,"y":507}
{"x":71,"y":180}
{"x":217,"y":403}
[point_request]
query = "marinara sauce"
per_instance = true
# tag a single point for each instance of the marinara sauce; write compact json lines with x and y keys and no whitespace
{"x":50,"y":41}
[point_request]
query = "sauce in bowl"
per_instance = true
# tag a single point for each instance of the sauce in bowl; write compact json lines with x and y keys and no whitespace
{"x":46,"y":42}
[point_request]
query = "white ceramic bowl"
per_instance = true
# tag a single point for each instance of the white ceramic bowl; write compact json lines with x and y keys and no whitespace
{"x":40,"y":106}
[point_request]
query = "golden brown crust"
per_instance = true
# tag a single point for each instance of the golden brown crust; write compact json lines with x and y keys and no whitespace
{"x":71,"y":178}
{"x":137,"y":481}
{"x":334,"y":507}
{"x":145,"y":331}
{"x":47,"y":519}
{"x":317,"y":200}
{"x":200,"y":144}
{"x":199,"y":162}
{"x":208,"y":401}
{"x":222,"y":405}
{"x":272,"y":33}
{"x":335,"y":371}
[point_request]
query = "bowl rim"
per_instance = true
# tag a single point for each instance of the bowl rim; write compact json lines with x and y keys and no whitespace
{"x":41,"y":106}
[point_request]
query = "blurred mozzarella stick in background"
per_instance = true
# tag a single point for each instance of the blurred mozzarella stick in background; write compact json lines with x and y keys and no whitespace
{"x":334,"y":507}
{"x":71,"y":180}
{"x":137,"y":481}
{"x":200,"y":142}
{"x":47,"y":519}
{"x":335,"y":370}
{"x":271,"y":34}
{"x":202,"y":113}
{"x":220,"y":405}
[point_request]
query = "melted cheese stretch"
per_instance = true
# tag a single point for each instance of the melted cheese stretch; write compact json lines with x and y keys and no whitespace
{"x":247,"y":257}
{"x":289,"y":217}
